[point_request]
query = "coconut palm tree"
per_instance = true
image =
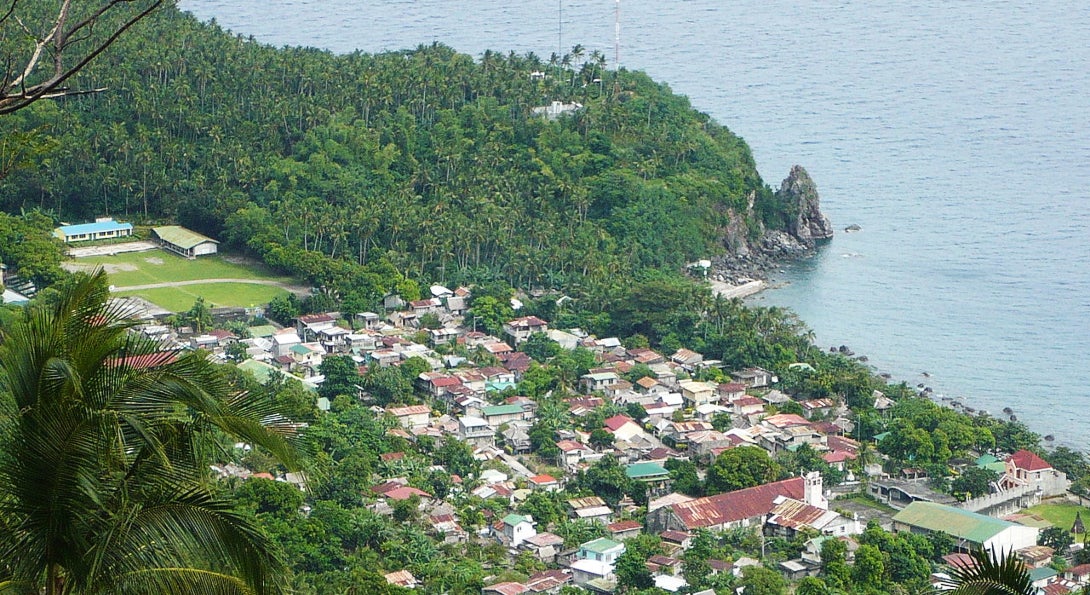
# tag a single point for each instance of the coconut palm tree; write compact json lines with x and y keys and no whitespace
{"x":104,"y":444}
{"x":991,"y":574}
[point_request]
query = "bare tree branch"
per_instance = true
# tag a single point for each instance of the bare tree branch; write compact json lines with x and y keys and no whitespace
{"x":72,"y":47}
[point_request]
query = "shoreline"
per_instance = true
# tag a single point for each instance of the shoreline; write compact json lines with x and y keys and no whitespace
{"x":963,"y":404}
{"x":744,"y":290}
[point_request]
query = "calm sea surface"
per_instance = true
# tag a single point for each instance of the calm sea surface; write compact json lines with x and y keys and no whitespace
{"x":953,"y":133}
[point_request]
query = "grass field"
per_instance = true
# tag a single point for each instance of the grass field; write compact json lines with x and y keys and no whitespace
{"x":158,"y":266}
{"x":1060,"y":515}
{"x":180,"y":299}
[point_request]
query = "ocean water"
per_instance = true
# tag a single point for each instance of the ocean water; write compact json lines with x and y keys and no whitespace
{"x":953,"y":133}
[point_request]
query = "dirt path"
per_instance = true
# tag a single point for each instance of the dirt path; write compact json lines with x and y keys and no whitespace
{"x":296,"y":289}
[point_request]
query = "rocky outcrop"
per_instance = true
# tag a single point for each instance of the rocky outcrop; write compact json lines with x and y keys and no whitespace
{"x":800,"y":196}
{"x":752,"y":254}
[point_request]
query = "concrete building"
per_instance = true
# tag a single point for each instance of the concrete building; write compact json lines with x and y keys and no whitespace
{"x":968,"y":529}
{"x":104,"y":228}
{"x":184,"y":242}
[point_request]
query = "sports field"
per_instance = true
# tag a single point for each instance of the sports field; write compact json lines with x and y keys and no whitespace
{"x":174,"y":283}
{"x":1062,"y":514}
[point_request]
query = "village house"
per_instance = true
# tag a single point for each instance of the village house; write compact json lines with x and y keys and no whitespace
{"x":308,"y":326}
{"x":282,"y":342}
{"x":446,"y":525}
{"x":596,"y":382}
{"x":697,"y":393}
{"x":516,"y":529}
{"x":544,"y":546}
{"x":817,"y":407}
{"x":590,"y":508}
{"x":383,"y":358}
{"x":755,"y":378}
{"x":516,"y":438}
{"x":653,"y":474}
{"x":730,"y":391}
{"x":622,"y":530}
{"x":595,"y":560}
{"x":520,"y":329}
{"x":443,"y":336}
{"x":643,"y":355}
{"x":544,"y":482}
{"x":497,"y":415}
{"x":623,"y":428}
{"x":704,"y":444}
{"x":411,"y":416}
{"x":476,"y":431}
{"x":572,"y":453}
{"x":687,"y":358}
{"x":428,"y":306}
{"x":402,"y":578}
{"x":746,"y":406}
{"x":675,"y":434}
{"x":1025,"y":468}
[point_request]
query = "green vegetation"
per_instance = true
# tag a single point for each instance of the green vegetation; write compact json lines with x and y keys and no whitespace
{"x":328,"y":166}
{"x":105,"y":455}
{"x":1061,"y":515}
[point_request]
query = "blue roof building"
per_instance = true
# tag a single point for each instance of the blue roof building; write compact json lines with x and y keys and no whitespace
{"x":101,"y":229}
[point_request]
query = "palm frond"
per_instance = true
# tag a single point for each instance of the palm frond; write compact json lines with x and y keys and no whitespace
{"x":179,"y":580}
{"x":990,"y":573}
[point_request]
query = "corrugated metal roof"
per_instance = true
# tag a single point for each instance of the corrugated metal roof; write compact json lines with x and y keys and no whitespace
{"x":180,"y":236}
{"x":96,"y":227}
{"x":735,"y":506}
{"x":963,"y":524}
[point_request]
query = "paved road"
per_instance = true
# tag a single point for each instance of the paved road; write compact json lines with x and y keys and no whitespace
{"x":296,"y":289}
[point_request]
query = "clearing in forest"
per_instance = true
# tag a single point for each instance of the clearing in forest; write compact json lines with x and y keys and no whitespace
{"x":174,"y":283}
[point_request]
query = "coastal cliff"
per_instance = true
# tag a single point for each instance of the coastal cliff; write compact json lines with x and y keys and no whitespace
{"x":803,"y":226}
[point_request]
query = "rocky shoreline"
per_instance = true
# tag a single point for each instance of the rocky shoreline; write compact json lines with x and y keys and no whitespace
{"x":747,"y":260}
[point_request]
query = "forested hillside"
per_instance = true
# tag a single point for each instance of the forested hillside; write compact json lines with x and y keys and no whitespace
{"x":427,"y":160}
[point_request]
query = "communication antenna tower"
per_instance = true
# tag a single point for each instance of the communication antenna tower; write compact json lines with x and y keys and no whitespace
{"x":559,"y":28}
{"x":617,"y":36}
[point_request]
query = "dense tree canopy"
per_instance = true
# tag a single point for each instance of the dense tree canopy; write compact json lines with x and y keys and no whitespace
{"x":103,"y":462}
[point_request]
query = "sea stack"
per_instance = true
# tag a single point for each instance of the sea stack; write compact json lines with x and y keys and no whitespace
{"x":809,"y":224}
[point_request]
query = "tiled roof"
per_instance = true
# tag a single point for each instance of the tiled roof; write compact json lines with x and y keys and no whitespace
{"x":736,"y":506}
{"x":786,"y":420}
{"x":507,"y":588}
{"x":316,"y":318}
{"x":623,"y":526}
{"x":405,"y":492}
{"x":1025,"y":459}
{"x":616,"y":422}
{"x":401,"y":578}
{"x":409,"y":410}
